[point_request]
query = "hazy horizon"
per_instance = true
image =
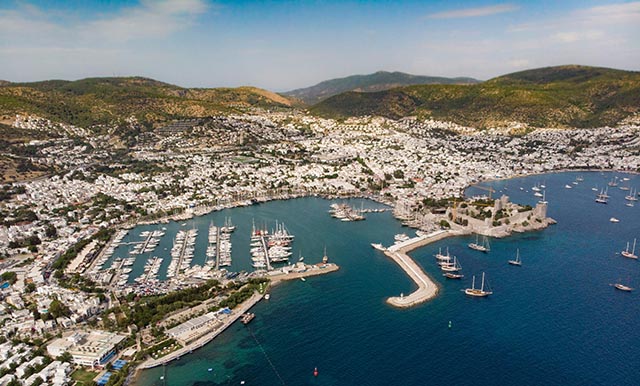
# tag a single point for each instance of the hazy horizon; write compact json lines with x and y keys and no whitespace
{"x":282,"y":46}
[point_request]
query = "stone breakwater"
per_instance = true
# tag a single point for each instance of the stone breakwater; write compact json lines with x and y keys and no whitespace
{"x":427,"y":287}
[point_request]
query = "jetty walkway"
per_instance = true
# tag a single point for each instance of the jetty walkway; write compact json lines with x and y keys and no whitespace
{"x":427,"y":288}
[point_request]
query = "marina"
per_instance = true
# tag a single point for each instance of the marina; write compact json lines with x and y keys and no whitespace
{"x":300,"y":314}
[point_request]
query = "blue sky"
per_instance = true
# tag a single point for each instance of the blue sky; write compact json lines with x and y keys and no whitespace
{"x":281,"y":45}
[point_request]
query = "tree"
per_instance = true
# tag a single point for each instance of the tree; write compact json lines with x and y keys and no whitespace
{"x":65,"y":357}
{"x":58,"y":309}
{"x":51,"y":231}
{"x":9,"y":276}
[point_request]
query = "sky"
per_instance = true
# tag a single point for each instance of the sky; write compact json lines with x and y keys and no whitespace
{"x":283,"y":45}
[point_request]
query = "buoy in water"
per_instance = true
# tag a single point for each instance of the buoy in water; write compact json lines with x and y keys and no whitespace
{"x":315,"y":372}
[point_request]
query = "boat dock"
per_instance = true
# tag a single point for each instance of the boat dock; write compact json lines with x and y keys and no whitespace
{"x":427,"y":288}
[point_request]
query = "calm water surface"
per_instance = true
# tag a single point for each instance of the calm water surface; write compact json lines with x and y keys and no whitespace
{"x":553,"y":321}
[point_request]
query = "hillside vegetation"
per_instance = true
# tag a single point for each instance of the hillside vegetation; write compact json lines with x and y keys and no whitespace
{"x":564,"y":96}
{"x":381,"y":80}
{"x":94,"y":101}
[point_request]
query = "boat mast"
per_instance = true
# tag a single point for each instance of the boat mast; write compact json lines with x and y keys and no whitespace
{"x":482,"y":286}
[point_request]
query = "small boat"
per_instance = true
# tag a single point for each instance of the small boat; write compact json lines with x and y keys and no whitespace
{"x":267,"y":296}
{"x":452,"y":275}
{"x":622,"y":287}
{"x":246,"y":318}
{"x":315,"y":372}
{"x":632,"y":254}
{"x":378,"y":246}
{"x":477,"y":292}
{"x":568,"y":187}
{"x":209,"y":369}
{"x":614,"y":220}
{"x":517,"y":261}
{"x":303,"y":279}
{"x":401,"y":237}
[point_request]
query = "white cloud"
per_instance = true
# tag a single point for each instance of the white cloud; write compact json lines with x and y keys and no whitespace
{"x":519,"y":63}
{"x":474,"y":12}
{"x":151,"y":19}
{"x":575,"y":36}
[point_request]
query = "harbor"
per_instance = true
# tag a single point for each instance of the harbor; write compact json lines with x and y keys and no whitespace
{"x":340,"y":307}
{"x":427,"y":287}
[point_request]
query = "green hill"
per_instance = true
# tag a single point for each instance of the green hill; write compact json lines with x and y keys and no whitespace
{"x":563,"y":96}
{"x":94,"y":101}
{"x":378,"y":81}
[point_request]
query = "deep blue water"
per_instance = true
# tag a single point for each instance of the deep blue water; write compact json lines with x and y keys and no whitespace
{"x":553,"y":321}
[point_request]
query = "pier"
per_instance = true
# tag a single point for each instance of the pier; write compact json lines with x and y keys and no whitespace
{"x":427,"y":288}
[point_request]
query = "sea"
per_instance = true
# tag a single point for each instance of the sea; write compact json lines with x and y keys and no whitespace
{"x":555,"y":320}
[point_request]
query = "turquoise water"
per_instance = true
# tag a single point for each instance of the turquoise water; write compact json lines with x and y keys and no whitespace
{"x":553,"y":321}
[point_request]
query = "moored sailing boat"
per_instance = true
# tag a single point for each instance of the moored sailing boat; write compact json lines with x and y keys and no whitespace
{"x":477,"y":292}
{"x":517,"y":261}
{"x":452,"y":267}
{"x":484,"y":247}
{"x":632,"y":254}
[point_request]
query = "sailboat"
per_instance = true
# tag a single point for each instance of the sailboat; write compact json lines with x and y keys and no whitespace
{"x":544,"y":198}
{"x":477,"y":292}
{"x":228,"y":226}
{"x":442,"y":257}
{"x":454,"y":267}
{"x":602,"y":198}
{"x":632,"y":254}
{"x":631,"y":196}
{"x":484,"y":247}
{"x":517,"y":261}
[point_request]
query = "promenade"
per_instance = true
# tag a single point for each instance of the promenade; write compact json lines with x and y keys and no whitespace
{"x":242,"y":308}
{"x":235,"y":314}
{"x":427,"y":288}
